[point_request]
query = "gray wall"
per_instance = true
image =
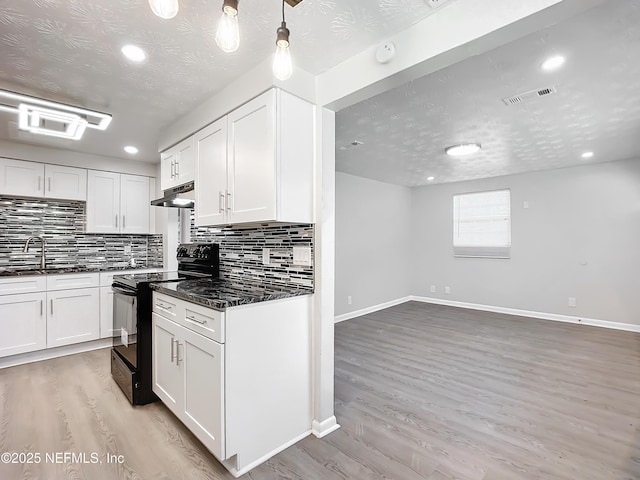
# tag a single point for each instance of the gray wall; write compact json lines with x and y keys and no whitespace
{"x":580,"y":237}
{"x":372,"y":242}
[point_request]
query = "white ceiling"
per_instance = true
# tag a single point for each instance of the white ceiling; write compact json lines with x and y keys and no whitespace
{"x":596,"y":107}
{"x":69,"y":50}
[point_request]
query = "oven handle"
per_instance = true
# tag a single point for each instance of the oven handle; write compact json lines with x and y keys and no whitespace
{"x":124,"y":291}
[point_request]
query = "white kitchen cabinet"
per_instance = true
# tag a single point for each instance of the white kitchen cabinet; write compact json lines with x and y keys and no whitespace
{"x":23,"y":323}
{"x":134,"y":204}
{"x":211,"y":171}
{"x":178,"y":164}
{"x":20,"y":178}
{"x":31,"y":179}
{"x":118,"y":203}
{"x":106,"y":312}
{"x":167,"y":377}
{"x":66,"y":183}
{"x":268,"y":168}
{"x":188,"y":376}
{"x":73,"y":316}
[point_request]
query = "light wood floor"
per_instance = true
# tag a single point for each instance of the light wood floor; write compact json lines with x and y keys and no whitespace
{"x":422,"y":392}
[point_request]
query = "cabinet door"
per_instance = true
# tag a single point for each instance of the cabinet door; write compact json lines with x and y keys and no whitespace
{"x":106,"y":312}
{"x":103,"y":202}
{"x":252,"y":161}
{"x":73,"y":316}
{"x":167,"y":377}
{"x":134,"y":204}
{"x":186,"y":161}
{"x":167,"y":169}
{"x":23,"y":323}
{"x":65,"y":182}
{"x":202,"y":363}
{"x":21,"y":178}
{"x":211,"y":174}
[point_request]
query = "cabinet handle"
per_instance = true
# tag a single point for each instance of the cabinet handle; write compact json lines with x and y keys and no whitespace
{"x":178,"y":359}
{"x":52,"y":306}
{"x":229,"y":206}
{"x":173,"y":166}
{"x":41,"y":307}
{"x":49,"y":181}
{"x":177,"y":168}
{"x":221,"y":202}
{"x":39,"y":183}
{"x":194,"y":319}
{"x":172,"y":348}
{"x":116,"y":221}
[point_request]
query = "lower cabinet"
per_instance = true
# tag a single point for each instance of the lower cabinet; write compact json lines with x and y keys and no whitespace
{"x":188,"y":376}
{"x":106,"y":312}
{"x":73,"y":316}
{"x":23,"y":323}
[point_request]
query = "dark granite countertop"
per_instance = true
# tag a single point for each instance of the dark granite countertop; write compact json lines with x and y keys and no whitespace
{"x":224,"y":293}
{"x":8,"y":272}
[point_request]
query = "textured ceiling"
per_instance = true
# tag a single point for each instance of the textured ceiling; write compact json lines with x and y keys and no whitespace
{"x":597,"y":107}
{"x":69,"y":50}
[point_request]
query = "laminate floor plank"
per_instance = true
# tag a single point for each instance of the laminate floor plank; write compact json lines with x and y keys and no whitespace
{"x":423,"y":392}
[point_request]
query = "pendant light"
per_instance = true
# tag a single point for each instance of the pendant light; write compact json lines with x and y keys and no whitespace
{"x":282,"y":67}
{"x":165,"y":8}
{"x":228,"y":34}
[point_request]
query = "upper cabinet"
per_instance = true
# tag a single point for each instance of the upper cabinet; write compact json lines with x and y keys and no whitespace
{"x":118,"y":203}
{"x":178,"y":164}
{"x":30,"y":179}
{"x":256,"y":164}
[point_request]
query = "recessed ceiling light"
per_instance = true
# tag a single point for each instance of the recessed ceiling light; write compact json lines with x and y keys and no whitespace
{"x":553,"y":63}
{"x":431,"y":179}
{"x":587,"y":155}
{"x":133,"y":53}
{"x":131,"y":150}
{"x":464,"y":149}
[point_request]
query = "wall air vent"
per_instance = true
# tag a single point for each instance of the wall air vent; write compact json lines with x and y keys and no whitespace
{"x":530,"y":95}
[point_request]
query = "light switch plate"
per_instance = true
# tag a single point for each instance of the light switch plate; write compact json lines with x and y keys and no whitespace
{"x":127,"y":249}
{"x":302,"y":256}
{"x":266,"y":256}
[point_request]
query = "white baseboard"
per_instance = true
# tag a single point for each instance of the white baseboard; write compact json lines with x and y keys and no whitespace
{"x":238,"y":472}
{"x":50,"y":353}
{"x":374,"y":308}
{"x":528,"y":313}
{"x":324,"y":428}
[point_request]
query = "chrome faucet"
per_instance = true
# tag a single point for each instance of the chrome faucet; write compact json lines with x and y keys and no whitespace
{"x":43,"y":258}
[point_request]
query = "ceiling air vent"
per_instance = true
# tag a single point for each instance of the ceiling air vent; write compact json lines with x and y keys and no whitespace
{"x":527,"y":96}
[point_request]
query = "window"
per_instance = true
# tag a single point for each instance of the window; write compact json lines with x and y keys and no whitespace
{"x":482,"y":224}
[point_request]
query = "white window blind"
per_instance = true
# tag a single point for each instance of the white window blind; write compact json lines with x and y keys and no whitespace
{"x":482,"y":224}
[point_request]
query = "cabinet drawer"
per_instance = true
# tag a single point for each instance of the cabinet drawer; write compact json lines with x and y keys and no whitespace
{"x":30,"y":284}
{"x":167,"y":306}
{"x":75,"y":280}
{"x":204,"y":321}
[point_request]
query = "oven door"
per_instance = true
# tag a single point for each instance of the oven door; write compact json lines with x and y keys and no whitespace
{"x":125,"y":323}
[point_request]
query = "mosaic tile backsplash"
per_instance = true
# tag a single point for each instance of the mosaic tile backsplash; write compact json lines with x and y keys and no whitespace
{"x":241,"y":252}
{"x":62,"y":224}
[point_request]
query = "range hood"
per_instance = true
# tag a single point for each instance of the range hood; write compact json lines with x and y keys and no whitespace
{"x":182,"y":196}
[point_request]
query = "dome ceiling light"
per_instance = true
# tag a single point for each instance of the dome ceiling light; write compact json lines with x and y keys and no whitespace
{"x":463,"y":149}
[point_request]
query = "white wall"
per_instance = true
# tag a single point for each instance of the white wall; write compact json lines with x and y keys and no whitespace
{"x":373,"y":238}
{"x":580,"y":237}
{"x":21,"y":151}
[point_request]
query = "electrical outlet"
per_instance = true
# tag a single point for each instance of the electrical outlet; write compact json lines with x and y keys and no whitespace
{"x":433,"y":289}
{"x":128,"y":249}
{"x":302,"y":256}
{"x":572,"y":302}
{"x":266,"y":256}
{"x":447,"y":290}
{"x":349,"y":300}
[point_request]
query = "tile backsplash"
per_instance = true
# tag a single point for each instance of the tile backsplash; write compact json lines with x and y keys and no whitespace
{"x":62,"y":224}
{"x":241,"y":251}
